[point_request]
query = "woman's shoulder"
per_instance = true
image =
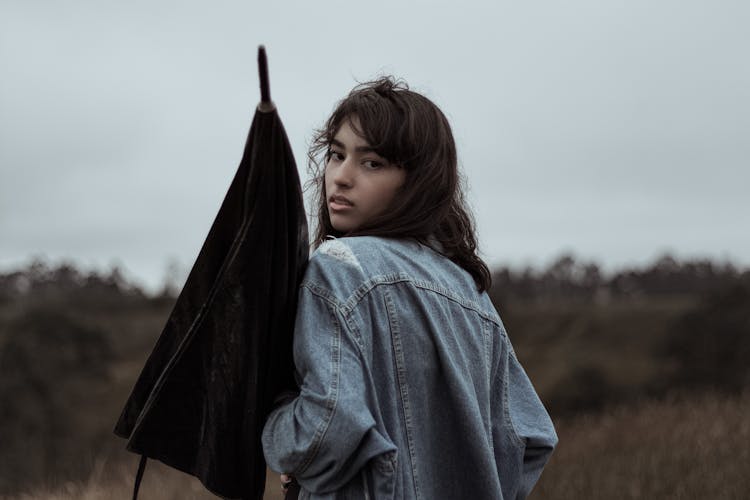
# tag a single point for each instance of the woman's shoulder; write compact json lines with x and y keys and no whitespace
{"x":366,"y":255}
{"x":342,"y":265}
{"x":345,"y":269}
{"x":349,"y":255}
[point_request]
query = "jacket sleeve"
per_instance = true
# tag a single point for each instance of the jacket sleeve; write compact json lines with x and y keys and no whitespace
{"x":327,"y":434}
{"x":531,"y":423}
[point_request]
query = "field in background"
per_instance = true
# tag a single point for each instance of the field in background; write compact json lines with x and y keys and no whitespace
{"x":607,"y":355}
{"x":112,"y":479}
{"x":687,"y":448}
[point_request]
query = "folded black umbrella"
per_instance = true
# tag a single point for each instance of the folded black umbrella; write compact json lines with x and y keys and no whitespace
{"x":226,"y":350}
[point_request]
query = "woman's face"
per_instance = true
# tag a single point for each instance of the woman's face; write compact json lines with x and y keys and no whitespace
{"x":359,"y":184}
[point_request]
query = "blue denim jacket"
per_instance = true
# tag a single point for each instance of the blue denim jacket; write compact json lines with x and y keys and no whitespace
{"x":409,"y":386}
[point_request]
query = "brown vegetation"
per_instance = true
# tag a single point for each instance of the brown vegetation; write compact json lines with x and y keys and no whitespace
{"x":72,"y":345}
{"x":113,"y":480}
{"x":680,"y":447}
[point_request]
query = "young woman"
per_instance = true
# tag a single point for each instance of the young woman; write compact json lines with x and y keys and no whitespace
{"x":409,"y":386}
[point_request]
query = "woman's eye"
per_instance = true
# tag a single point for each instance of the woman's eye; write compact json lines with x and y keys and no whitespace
{"x":334,"y":155}
{"x":372,"y":164}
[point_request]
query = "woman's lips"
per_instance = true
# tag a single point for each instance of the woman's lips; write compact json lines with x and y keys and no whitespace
{"x":339,"y":203}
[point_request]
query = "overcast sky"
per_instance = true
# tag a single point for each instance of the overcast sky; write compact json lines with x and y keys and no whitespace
{"x":616,"y":130}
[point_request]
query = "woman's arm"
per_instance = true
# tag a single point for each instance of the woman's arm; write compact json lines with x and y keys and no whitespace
{"x":531,"y":422}
{"x":327,"y":434}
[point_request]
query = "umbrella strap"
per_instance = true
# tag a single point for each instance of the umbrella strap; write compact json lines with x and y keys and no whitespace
{"x":139,"y":476}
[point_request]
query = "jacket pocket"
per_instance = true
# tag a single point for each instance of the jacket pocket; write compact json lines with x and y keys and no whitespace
{"x":383,"y":476}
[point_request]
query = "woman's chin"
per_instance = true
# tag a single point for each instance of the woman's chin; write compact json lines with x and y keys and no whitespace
{"x":342,"y":226}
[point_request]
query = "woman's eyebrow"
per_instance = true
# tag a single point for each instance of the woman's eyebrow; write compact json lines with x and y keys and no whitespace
{"x":358,"y":149}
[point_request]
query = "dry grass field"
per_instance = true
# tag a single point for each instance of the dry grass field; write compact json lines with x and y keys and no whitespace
{"x":608,"y":370}
{"x":114,"y":481}
{"x":677,"y":448}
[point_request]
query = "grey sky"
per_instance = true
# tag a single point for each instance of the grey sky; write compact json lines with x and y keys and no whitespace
{"x":615,"y":130}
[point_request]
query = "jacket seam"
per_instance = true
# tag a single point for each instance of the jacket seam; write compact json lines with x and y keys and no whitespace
{"x":486,"y":335}
{"x":321,"y":292}
{"x":506,"y":399}
{"x":332,"y":399}
{"x":326,"y":295}
{"x":351,"y":303}
{"x":398,"y":355}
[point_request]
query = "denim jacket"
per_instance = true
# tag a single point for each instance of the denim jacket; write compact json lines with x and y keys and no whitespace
{"x":409,"y":386}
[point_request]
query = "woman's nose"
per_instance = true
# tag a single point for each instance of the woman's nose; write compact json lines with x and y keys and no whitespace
{"x":345,"y":173}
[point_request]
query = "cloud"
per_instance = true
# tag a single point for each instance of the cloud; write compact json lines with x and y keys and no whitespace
{"x":611,"y":129}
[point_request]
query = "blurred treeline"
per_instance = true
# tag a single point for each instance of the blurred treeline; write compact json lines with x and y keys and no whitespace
{"x":72,"y":344}
{"x":591,"y":341}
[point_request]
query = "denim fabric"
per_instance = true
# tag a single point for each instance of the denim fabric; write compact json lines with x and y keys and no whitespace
{"x":409,"y":386}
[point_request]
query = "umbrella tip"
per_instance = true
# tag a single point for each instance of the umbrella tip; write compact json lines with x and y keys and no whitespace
{"x":265,"y":90}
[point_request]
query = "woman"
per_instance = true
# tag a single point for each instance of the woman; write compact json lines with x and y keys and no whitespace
{"x":409,"y":386}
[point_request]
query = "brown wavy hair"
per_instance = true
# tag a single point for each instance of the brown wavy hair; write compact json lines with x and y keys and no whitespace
{"x":410,"y":131}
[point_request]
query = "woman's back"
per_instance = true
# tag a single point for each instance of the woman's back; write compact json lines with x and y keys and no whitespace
{"x":410,"y":388}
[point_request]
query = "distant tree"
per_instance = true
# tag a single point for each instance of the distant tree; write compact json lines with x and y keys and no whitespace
{"x":174,"y":279}
{"x":564,"y":278}
{"x":49,"y":363}
{"x":667,"y":276}
{"x":569,"y":279}
{"x":710,"y":345}
{"x":40,"y":282}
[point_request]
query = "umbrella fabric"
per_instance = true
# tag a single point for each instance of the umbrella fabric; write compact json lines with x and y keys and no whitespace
{"x":225,"y":352}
